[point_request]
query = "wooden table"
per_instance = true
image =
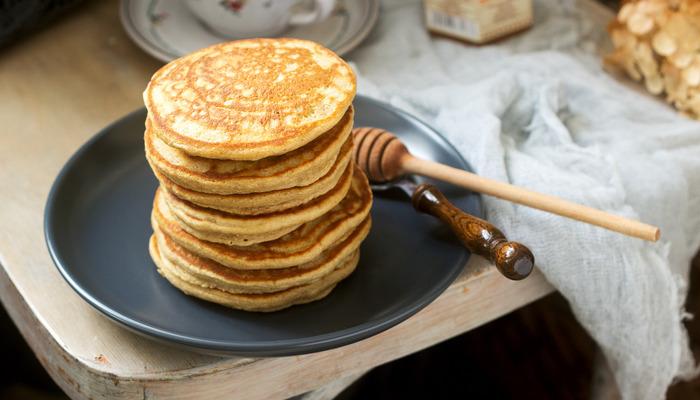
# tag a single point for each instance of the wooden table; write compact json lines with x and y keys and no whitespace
{"x":57,"y":88}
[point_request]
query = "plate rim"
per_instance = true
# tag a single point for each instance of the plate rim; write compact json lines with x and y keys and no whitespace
{"x":160,"y":54}
{"x":284,"y":347}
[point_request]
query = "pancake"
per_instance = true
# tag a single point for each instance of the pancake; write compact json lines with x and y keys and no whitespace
{"x":215,"y":275}
{"x":249,"y":99}
{"x":250,"y":302}
{"x":221,"y":227}
{"x":300,"y":246}
{"x":266,"y":202}
{"x":299,"y":167}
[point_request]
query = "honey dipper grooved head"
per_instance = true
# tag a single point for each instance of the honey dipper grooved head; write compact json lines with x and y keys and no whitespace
{"x":378,"y":153}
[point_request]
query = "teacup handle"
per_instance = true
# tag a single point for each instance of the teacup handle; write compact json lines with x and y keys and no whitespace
{"x":322,"y":9}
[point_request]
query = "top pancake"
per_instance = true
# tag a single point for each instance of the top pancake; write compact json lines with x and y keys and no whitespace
{"x":249,"y":99}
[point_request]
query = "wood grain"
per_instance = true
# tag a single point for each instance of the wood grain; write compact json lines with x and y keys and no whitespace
{"x":59,"y":87}
{"x":514,"y":260}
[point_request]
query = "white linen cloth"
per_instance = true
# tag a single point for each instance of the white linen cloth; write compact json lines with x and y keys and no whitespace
{"x":537,"y":110}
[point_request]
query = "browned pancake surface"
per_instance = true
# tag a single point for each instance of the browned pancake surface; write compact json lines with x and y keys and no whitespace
{"x":249,"y":99}
{"x":297,"y":247}
{"x":300,"y":167}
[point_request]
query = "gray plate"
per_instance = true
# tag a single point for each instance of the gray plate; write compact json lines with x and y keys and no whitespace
{"x":97,"y":229}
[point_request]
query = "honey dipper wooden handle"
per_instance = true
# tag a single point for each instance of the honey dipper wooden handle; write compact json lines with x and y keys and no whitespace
{"x":505,"y":191}
{"x":513,"y":260}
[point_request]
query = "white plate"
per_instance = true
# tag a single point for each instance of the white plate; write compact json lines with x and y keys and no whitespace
{"x":167,"y":30}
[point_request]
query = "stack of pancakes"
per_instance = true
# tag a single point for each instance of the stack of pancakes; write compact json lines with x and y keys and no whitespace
{"x":260,"y":206}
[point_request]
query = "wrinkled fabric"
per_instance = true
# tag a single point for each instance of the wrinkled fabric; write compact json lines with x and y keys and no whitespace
{"x":537,"y":110}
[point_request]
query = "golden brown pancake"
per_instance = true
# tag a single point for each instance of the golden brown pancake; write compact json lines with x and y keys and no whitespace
{"x":213,"y":274}
{"x":300,"y":246}
{"x":222,"y":227}
{"x":249,"y":99}
{"x":265,"y":202}
{"x":299,"y":167}
{"x":249,"y":302}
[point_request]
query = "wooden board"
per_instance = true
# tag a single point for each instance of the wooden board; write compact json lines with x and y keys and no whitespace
{"x":57,"y":88}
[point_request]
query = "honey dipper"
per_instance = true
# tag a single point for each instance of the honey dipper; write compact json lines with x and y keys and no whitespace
{"x":384,"y":157}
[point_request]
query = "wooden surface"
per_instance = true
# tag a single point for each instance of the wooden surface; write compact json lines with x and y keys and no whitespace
{"x":514,"y":260}
{"x":57,"y":88}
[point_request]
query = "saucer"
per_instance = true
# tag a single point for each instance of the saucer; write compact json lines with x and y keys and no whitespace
{"x":167,"y":30}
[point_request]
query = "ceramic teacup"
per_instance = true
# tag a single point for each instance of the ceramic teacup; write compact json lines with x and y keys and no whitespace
{"x":256,"y":18}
